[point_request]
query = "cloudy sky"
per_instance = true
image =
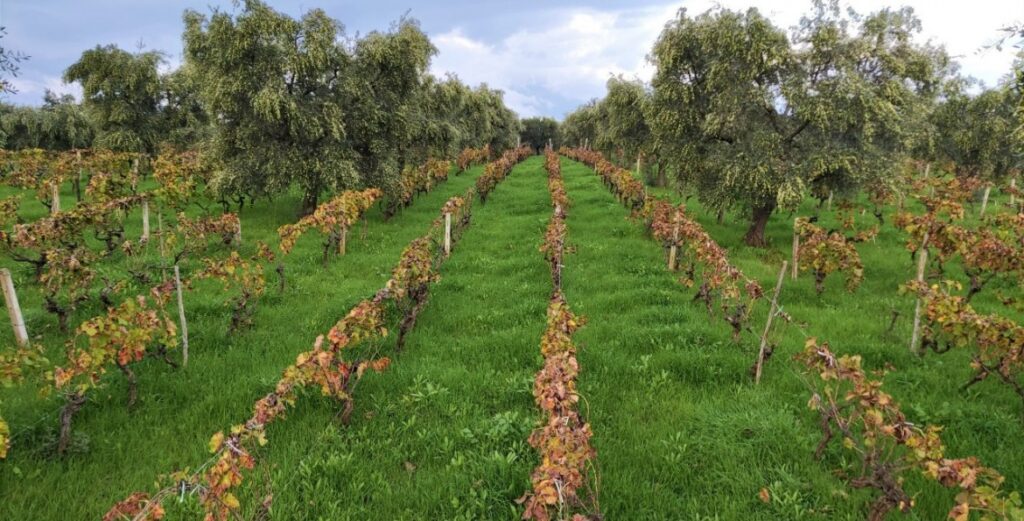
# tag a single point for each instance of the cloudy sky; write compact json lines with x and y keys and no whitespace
{"x":548,"y":57}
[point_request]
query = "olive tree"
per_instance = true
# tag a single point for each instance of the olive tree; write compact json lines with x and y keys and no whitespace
{"x":623,"y":126}
{"x":753,"y":119}
{"x":449,"y":116}
{"x":580,"y":127}
{"x":538,"y":132}
{"x":975,"y":133}
{"x":121,"y":96}
{"x":184,"y":122}
{"x":380,"y":87}
{"x":491,"y":121}
{"x":293,"y":102}
{"x":272,"y":86}
{"x":439,"y":118}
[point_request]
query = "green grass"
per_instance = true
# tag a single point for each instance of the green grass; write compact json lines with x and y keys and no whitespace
{"x":680,"y":431}
{"x":180,"y":409}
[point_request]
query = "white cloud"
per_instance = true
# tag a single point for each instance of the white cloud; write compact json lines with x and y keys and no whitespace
{"x":571,"y":58}
{"x":33,"y":89}
{"x":573,"y":55}
{"x":965,"y":30}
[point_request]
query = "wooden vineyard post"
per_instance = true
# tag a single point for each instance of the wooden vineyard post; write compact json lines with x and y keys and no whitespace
{"x":550,"y":145}
{"x":1013,"y":187}
{"x":342,"y":240}
{"x":586,"y":144}
{"x":160,"y":233}
{"x":78,"y":180}
{"x":673,"y":250}
{"x":181,"y":317}
{"x":238,"y":232}
{"x":55,"y":199}
{"x":830,"y":194}
{"x":447,"y":234}
{"x":639,"y":164}
{"x":13,"y":308}
{"x":922,"y":260}
{"x":984,"y":199}
{"x":145,"y":222}
{"x":768,"y":324}
{"x":163,"y":254}
{"x":927,"y":169}
{"x":519,"y":141}
{"x":796,"y":251}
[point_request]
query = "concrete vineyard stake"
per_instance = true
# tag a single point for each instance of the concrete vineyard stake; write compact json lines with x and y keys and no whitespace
{"x":181,"y":317}
{"x":13,"y":307}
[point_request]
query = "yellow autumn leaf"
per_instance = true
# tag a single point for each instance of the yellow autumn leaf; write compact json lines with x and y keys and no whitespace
{"x":216,"y":441}
{"x":231,"y":501}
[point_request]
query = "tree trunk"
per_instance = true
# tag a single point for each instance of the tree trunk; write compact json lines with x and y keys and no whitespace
{"x":309,"y":202}
{"x":759,"y":220}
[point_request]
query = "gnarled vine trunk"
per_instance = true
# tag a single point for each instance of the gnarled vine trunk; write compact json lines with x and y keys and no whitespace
{"x":73,"y":403}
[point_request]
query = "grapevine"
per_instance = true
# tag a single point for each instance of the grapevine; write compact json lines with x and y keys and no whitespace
{"x":559,"y":483}
{"x":826,"y":253}
{"x":472,"y":156}
{"x":496,"y":171}
{"x":415,"y":181}
{"x":853,"y":407}
{"x":124,"y":335}
{"x":560,"y":486}
{"x":628,"y":189}
{"x":992,"y":250}
{"x":952,"y":322}
{"x":245,"y":275}
{"x":333,"y":218}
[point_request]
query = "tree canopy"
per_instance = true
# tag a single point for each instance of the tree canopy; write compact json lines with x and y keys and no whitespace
{"x":973,"y":132}
{"x":756,"y":120}
{"x":121,"y":95}
{"x":60,"y":124}
{"x":580,"y":127}
{"x":273,"y":87}
{"x":296,"y":102}
{"x":537,"y":132}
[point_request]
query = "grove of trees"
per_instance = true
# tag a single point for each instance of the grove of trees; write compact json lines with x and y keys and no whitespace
{"x":273,"y":103}
{"x":538,"y":132}
{"x":750,"y":118}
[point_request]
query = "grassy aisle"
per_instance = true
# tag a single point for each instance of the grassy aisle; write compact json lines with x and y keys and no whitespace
{"x":442,"y":434}
{"x":179,"y":410}
{"x":680,"y":433}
